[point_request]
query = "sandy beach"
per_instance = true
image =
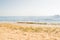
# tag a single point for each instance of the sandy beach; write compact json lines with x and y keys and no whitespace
{"x":22,"y":31}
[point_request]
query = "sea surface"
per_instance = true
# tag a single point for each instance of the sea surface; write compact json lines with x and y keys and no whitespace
{"x":55,"y":18}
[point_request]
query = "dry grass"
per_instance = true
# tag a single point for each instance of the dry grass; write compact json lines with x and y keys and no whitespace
{"x":29,"y":29}
{"x":18,"y":32}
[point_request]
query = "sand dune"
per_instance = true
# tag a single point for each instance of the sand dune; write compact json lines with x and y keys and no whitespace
{"x":22,"y":31}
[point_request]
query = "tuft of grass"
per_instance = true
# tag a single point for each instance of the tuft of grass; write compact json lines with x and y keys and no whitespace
{"x":30,"y":29}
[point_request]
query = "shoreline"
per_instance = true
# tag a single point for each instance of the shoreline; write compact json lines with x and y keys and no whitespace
{"x":39,"y":23}
{"x":28,"y":24}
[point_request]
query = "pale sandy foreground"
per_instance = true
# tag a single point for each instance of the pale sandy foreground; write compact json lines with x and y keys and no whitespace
{"x":16,"y":31}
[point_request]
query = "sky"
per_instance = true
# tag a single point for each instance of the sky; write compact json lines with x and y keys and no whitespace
{"x":29,"y":7}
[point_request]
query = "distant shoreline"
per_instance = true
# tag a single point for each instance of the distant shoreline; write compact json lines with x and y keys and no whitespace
{"x":41,"y":23}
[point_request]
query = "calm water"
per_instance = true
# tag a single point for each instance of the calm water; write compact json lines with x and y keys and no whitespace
{"x":31,"y":18}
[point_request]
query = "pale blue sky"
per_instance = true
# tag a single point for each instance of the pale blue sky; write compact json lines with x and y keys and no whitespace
{"x":29,"y":7}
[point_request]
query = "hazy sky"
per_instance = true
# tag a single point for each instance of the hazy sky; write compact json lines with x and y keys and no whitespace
{"x":29,"y":7}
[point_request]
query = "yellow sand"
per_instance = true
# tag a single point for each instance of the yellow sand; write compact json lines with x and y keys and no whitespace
{"x":22,"y":31}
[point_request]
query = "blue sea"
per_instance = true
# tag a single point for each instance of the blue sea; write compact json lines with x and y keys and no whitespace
{"x":55,"y":18}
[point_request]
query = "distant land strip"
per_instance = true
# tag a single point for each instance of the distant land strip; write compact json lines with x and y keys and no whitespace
{"x":43,"y":23}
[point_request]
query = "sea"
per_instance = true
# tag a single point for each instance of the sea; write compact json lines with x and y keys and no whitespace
{"x":55,"y":18}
